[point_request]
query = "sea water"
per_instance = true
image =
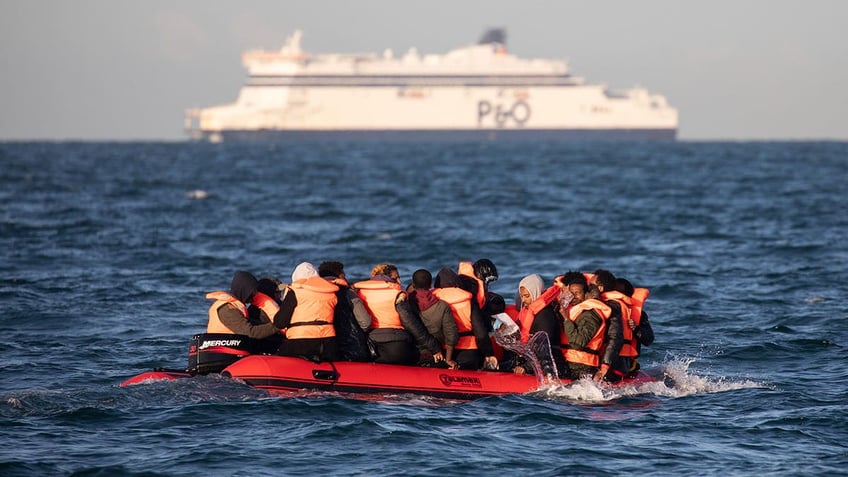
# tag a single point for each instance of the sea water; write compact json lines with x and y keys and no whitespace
{"x":107,"y":251}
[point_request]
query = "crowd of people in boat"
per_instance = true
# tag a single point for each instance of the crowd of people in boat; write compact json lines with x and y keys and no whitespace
{"x":594,"y":323}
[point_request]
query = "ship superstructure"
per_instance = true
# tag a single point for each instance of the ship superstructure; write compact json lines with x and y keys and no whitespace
{"x":477,"y":91}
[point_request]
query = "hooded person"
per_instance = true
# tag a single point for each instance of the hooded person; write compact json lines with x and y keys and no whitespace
{"x":229,"y":314}
{"x":474,"y":349}
{"x":536,"y":313}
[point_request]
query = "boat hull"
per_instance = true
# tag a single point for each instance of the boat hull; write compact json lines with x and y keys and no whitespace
{"x":286,"y":374}
{"x":481,"y":135}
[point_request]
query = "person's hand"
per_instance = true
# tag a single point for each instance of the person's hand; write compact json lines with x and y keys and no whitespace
{"x":490,"y":363}
{"x":518,"y":370}
{"x":631,"y":323}
{"x":438,"y":357}
{"x":599,"y":375}
{"x":452,"y":364}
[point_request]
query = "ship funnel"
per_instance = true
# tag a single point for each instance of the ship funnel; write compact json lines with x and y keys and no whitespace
{"x":493,"y":35}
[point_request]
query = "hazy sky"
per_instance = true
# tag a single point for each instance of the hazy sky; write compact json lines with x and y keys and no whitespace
{"x":735,"y":69}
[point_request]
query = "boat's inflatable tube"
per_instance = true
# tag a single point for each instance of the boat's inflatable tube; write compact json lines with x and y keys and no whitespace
{"x":281,"y":373}
{"x":157,"y":375}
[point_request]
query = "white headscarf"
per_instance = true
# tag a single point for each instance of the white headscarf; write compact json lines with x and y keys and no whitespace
{"x":304,"y":270}
{"x":534,"y":285}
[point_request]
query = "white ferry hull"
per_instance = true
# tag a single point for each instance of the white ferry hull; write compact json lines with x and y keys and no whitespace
{"x":442,"y":135}
{"x":478,"y":92}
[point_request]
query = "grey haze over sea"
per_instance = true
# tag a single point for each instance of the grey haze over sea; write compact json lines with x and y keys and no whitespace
{"x":107,"y":251}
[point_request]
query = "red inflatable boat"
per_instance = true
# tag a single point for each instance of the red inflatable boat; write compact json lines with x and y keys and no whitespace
{"x":283,"y":374}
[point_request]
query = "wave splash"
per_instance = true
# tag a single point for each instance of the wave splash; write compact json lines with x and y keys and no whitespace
{"x":673,"y":380}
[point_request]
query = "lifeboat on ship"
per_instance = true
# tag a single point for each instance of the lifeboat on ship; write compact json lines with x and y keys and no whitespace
{"x":235,"y":356}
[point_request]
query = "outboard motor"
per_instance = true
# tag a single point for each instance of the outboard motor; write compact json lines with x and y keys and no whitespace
{"x":212,"y":352}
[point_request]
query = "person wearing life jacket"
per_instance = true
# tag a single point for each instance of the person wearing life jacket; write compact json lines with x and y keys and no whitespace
{"x":307,"y":313}
{"x":474,"y":348}
{"x":351,"y":319}
{"x":228,"y":314}
{"x":641,"y":332}
{"x":436,"y":315}
{"x":263,"y":308}
{"x":475,"y":278}
{"x":584,"y":327}
{"x":537,"y":313}
{"x":613,"y":368}
{"x":396,"y":330}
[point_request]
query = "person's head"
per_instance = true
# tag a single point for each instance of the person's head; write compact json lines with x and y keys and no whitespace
{"x":529,"y":288}
{"x":243,"y":286}
{"x":422,"y":279}
{"x":447,"y":278}
{"x":485,"y":271}
{"x":624,"y":286}
{"x":605,"y":280}
{"x":386,"y":270}
{"x":331,"y":269}
{"x":578,"y":291}
{"x":593,"y":293}
{"x":269,"y":286}
{"x":571,"y":276}
{"x":303,"y":271}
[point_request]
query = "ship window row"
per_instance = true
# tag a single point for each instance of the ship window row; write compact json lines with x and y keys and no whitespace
{"x":411,"y":81}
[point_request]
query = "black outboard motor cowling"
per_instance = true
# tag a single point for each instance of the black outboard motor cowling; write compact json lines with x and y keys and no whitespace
{"x":212,"y":352}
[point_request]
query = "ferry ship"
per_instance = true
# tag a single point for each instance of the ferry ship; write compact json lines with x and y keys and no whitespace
{"x":479,"y":91}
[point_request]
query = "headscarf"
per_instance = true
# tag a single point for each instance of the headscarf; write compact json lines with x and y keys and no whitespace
{"x":304,"y":270}
{"x":534,"y":285}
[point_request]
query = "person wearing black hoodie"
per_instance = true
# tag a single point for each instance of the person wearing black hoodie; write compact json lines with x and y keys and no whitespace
{"x":229,"y":312}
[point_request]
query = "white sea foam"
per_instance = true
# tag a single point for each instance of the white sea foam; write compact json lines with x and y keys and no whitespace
{"x":673,"y":379}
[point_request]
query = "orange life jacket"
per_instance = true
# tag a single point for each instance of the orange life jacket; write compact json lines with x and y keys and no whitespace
{"x":459,"y":301}
{"x":467,"y":269}
{"x":590,"y":355}
{"x":630,"y":346}
{"x":221,"y":299}
{"x":528,"y":313}
{"x":625,"y":302}
{"x":316,"y":304}
{"x":266,"y":304}
{"x":379,"y":298}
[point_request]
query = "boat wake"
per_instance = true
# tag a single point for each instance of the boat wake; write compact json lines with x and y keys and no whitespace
{"x":673,"y":379}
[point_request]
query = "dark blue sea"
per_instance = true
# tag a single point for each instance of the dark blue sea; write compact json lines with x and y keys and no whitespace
{"x":107,"y":251}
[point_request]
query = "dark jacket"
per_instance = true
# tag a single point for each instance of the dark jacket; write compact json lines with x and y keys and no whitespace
{"x":436,"y":316}
{"x":644,"y":333}
{"x":243,"y":287}
{"x":480,"y":324}
{"x":547,"y":320}
{"x":614,"y":338}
